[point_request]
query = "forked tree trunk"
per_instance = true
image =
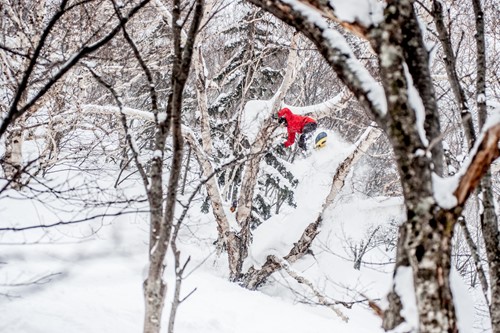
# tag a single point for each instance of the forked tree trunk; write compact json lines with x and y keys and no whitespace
{"x":428,"y":230}
{"x":162,"y":215}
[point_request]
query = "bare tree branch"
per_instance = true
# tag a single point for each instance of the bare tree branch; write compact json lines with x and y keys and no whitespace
{"x":15,"y":111}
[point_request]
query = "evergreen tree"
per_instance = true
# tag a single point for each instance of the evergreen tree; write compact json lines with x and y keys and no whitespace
{"x":251,"y":71}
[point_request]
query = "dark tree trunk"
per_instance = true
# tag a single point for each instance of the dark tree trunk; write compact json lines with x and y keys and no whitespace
{"x":489,"y":219}
{"x":451,"y":70}
{"x":162,"y":218}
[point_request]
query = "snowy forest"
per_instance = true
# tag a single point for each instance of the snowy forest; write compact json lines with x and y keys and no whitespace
{"x":145,"y":187}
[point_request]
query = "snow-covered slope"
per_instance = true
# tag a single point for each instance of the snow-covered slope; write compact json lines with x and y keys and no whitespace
{"x":97,"y":286}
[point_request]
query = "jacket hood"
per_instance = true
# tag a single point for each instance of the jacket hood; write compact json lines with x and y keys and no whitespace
{"x":285,"y":112}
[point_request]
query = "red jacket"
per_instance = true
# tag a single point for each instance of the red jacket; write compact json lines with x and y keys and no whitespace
{"x":295,"y":124}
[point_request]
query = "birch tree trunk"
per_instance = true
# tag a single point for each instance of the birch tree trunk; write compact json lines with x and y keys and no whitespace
{"x":203,"y":155}
{"x":12,"y":161}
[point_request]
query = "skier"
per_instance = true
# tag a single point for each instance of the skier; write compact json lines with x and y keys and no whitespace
{"x":296,"y":124}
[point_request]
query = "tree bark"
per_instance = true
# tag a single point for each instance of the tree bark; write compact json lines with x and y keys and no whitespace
{"x":428,"y":230}
{"x":488,"y":217}
{"x":417,"y":59}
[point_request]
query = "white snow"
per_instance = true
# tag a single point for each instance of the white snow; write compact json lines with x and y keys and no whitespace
{"x":417,"y":104}
{"x":317,"y":108}
{"x":404,"y":288}
{"x":254,"y":114}
{"x":463,"y":301}
{"x":481,"y":98}
{"x":366,"y":12}
{"x":162,"y":116}
{"x":287,"y":227}
{"x":100,"y":288}
{"x":157,"y":153}
{"x":444,"y":189}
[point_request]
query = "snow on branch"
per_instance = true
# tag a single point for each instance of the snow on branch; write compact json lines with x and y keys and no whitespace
{"x":417,"y":104}
{"x":109,"y":109}
{"x":337,"y":102}
{"x":165,"y":12}
{"x":454,"y":191}
{"x":354,"y":15}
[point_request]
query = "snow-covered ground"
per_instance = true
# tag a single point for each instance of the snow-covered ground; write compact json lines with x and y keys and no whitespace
{"x":98,"y":270}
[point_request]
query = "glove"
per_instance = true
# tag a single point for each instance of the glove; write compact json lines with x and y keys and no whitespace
{"x":282,"y":120}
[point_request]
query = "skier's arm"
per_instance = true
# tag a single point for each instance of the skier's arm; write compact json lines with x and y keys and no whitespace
{"x":291,"y":139}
